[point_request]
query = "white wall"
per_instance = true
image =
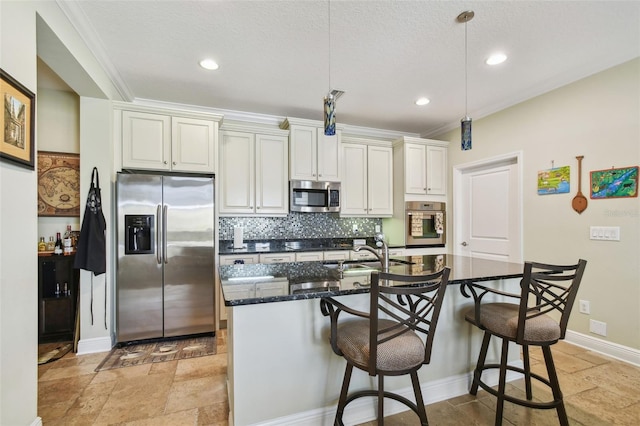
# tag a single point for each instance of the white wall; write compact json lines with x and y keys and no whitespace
{"x":19,"y":22}
{"x":598,"y":117}
{"x":59,"y":131}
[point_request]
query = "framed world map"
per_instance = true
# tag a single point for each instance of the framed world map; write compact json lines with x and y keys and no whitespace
{"x":58,"y":184}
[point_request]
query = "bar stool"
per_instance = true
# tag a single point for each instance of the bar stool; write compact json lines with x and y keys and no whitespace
{"x":545,"y":289}
{"x":386,"y":340}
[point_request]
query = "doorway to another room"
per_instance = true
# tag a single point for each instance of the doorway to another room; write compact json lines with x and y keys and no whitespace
{"x":487,"y":208}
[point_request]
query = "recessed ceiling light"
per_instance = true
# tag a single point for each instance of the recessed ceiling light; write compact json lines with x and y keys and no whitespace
{"x":422,"y":101}
{"x":496,"y":59}
{"x":209,"y":64}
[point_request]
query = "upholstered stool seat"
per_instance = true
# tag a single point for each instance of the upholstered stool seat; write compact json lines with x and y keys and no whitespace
{"x":393,"y":338}
{"x":353,"y":341}
{"x":502,"y":320}
{"x":544,"y":289}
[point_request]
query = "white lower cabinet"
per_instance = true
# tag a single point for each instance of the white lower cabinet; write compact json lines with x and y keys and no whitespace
{"x":362,"y":255}
{"x":336,"y":255}
{"x":367,"y":180}
{"x":253,"y":178}
{"x":277,"y":258}
{"x":309,"y":256}
{"x":272,"y":288}
{"x":231,"y":259}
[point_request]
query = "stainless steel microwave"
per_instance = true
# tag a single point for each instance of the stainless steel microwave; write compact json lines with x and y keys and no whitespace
{"x":314,"y":197}
{"x":425,"y":224}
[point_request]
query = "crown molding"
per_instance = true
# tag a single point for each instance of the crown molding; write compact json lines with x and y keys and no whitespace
{"x":80,"y":22}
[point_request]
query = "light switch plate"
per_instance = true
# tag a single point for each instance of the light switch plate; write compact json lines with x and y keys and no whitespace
{"x":605,"y":233}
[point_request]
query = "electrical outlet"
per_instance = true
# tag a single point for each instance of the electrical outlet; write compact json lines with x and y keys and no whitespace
{"x":355,"y":228}
{"x":377,"y":229}
{"x":585,"y":307}
{"x":598,"y":327}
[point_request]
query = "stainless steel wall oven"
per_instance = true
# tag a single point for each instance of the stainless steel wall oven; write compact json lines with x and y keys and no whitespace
{"x":425,"y":224}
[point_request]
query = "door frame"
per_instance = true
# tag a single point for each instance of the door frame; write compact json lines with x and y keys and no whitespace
{"x":458,"y":194}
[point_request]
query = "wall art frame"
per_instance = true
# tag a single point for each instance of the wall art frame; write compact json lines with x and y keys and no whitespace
{"x":554,"y":181}
{"x":17,"y":122}
{"x":614,"y":183}
{"x":58,"y":184}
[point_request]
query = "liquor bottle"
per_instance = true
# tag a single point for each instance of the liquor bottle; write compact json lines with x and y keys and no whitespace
{"x":68,"y":247}
{"x":58,"y":247}
{"x":42,"y":246}
{"x":57,"y":292}
{"x":51,"y":245}
{"x":65,"y":291}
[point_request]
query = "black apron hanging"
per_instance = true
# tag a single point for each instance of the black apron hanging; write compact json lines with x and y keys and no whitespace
{"x":91,"y":253}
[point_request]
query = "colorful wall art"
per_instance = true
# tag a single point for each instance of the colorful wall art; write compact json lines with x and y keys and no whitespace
{"x":614,"y":183}
{"x":554,"y":181}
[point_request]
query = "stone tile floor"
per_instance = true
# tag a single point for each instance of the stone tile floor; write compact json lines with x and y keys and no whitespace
{"x":598,"y":391}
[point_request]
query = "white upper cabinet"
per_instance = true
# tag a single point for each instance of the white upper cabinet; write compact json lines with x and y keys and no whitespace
{"x":425,"y":165}
{"x":146,"y":141}
{"x":154,"y":139}
{"x":193,"y":145}
{"x":312,"y":155}
{"x":253,"y":178}
{"x":367,"y":183}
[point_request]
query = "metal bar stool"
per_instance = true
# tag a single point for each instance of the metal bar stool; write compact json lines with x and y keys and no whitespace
{"x":544,"y":289}
{"x":386,"y":340}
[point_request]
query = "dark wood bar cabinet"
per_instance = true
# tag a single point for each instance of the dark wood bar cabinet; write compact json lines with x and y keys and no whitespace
{"x":57,"y":297}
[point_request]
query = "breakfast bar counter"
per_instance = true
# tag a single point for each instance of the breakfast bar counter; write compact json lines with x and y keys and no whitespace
{"x":281,"y":369}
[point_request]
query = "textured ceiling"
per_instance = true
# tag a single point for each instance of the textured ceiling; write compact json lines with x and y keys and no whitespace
{"x":281,"y":57}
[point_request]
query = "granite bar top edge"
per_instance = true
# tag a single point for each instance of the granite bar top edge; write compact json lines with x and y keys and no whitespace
{"x":280,"y":245}
{"x":501,"y":270}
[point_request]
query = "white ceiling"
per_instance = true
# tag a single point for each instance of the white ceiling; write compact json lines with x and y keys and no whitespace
{"x":274,"y":55}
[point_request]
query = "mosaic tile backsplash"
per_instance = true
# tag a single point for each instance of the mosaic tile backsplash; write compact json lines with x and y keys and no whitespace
{"x":299,"y":226}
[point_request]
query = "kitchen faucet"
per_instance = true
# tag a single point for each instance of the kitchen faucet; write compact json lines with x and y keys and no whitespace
{"x":384,"y":257}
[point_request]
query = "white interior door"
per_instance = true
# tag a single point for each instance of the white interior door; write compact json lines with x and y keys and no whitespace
{"x":488,"y":212}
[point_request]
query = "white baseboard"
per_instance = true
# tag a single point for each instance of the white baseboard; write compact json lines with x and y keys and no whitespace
{"x":37,"y":422}
{"x":364,"y":410}
{"x":90,"y":346}
{"x":613,"y":350}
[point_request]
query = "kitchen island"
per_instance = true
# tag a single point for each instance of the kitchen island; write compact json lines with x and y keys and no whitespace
{"x":281,"y":369}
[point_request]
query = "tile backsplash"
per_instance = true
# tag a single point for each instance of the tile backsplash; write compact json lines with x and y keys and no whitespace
{"x":299,"y":225}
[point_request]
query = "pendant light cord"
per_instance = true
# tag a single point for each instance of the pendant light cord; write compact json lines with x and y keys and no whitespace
{"x":329,"y":36}
{"x":466,"y":78}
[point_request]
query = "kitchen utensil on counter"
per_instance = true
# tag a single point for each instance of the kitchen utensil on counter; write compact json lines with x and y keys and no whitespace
{"x":579,"y":202}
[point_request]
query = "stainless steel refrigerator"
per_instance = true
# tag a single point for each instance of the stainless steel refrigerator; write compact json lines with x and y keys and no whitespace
{"x":165,"y":269}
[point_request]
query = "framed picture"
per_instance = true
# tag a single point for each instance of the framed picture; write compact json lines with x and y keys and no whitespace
{"x":58,"y":184}
{"x":614,"y":183}
{"x":554,"y":181}
{"x":17,"y":122}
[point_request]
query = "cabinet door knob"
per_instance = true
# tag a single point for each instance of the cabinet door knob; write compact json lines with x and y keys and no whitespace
{"x":258,"y":208}
{"x":164,"y":162}
{"x":464,"y":244}
{"x":174,"y":163}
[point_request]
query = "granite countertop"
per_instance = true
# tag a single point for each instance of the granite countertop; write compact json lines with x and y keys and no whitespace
{"x":308,"y":280}
{"x":279,"y":246}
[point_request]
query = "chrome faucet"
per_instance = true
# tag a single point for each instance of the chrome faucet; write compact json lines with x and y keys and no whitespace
{"x":384,"y":257}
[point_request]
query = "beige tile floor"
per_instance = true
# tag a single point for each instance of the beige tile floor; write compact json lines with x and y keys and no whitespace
{"x":598,"y":391}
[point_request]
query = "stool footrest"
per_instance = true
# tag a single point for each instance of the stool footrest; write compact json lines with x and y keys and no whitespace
{"x":519,"y":401}
{"x":391,"y":395}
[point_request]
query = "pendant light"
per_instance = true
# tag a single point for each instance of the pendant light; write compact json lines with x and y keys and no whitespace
{"x":332,"y":96}
{"x":465,"y":123}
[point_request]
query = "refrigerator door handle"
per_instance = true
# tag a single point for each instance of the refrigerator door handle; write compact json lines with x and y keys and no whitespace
{"x":158,"y":236}
{"x":164,"y":233}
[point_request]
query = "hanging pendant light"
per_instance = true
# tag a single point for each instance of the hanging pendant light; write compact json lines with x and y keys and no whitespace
{"x":465,"y":123}
{"x":333,"y":95}
{"x":329,"y":115}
